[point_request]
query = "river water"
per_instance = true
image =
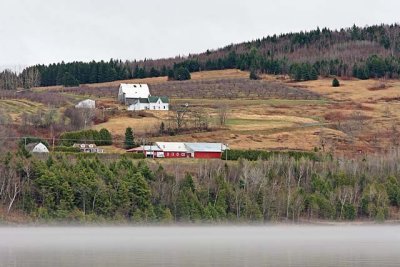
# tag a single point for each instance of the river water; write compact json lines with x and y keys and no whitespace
{"x":201,"y":246}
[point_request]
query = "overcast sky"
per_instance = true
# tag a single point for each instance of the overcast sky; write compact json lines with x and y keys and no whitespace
{"x":45,"y":31}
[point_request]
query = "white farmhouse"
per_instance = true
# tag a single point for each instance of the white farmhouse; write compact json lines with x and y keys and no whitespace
{"x":150,"y":103}
{"x":138,"y":97}
{"x":88,"y":103}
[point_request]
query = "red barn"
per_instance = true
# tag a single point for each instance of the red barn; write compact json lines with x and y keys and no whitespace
{"x":173,"y":149}
{"x":182,"y":150}
{"x":205,"y":150}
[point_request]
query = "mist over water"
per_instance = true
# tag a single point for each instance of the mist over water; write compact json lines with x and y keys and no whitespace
{"x":201,"y":246}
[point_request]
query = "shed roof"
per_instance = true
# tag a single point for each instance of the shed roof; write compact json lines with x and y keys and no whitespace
{"x":172,"y":146}
{"x":134,"y":90}
{"x":206,"y":147}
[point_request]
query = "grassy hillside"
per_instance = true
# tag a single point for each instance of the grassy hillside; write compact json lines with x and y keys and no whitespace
{"x":273,"y":113}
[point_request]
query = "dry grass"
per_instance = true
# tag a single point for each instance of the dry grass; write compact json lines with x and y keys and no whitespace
{"x":118,"y":125}
{"x":354,"y":90}
{"x":278,"y":122}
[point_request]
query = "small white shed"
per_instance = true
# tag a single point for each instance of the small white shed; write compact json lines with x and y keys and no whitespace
{"x":39,"y":148}
{"x":88,"y":103}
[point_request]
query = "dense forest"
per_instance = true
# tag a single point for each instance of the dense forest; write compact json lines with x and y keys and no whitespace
{"x":65,"y":187}
{"x":361,"y":52}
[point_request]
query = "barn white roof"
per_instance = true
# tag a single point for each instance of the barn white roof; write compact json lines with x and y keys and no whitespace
{"x":172,"y":146}
{"x":205,"y":147}
{"x":134,"y":90}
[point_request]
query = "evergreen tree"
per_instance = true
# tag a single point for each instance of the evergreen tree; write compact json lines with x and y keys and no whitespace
{"x":335,"y":82}
{"x":313,"y":74}
{"x":253,"y":75}
{"x":181,"y":74}
{"x":69,"y":80}
{"x":105,"y":137}
{"x":129,"y":139}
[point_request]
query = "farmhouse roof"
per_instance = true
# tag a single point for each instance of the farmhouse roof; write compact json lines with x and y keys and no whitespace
{"x":172,"y":146}
{"x":134,"y":90}
{"x":206,"y":147}
{"x":154,"y":99}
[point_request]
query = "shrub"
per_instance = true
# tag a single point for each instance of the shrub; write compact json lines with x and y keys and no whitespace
{"x":253,"y":75}
{"x":335,"y":82}
{"x":66,"y":149}
{"x":134,"y":155}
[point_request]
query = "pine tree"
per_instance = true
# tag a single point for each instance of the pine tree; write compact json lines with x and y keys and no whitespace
{"x":129,"y":139}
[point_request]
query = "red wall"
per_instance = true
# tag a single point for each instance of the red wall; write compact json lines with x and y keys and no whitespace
{"x":207,"y":155}
{"x":176,"y":155}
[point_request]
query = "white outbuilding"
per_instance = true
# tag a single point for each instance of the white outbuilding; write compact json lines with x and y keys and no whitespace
{"x":88,"y":103}
{"x":37,"y":148}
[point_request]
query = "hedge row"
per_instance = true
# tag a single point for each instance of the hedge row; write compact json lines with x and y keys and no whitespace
{"x":100,"y":138}
{"x":235,"y":154}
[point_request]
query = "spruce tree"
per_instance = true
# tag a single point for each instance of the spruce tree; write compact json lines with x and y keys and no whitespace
{"x":129,"y":139}
{"x":313,"y":74}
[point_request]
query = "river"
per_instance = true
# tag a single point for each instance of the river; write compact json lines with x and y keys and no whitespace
{"x":200,"y":246}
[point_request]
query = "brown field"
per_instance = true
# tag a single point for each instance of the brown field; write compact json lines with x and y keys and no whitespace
{"x":274,"y":113}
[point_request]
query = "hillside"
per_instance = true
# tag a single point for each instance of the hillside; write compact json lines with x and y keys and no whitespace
{"x":273,"y":113}
{"x":362,"y":52}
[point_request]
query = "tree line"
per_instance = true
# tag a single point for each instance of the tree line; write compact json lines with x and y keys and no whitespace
{"x":76,"y":188}
{"x":362,"y":52}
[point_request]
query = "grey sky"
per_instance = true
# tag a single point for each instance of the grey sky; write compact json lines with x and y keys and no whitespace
{"x":45,"y":31}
